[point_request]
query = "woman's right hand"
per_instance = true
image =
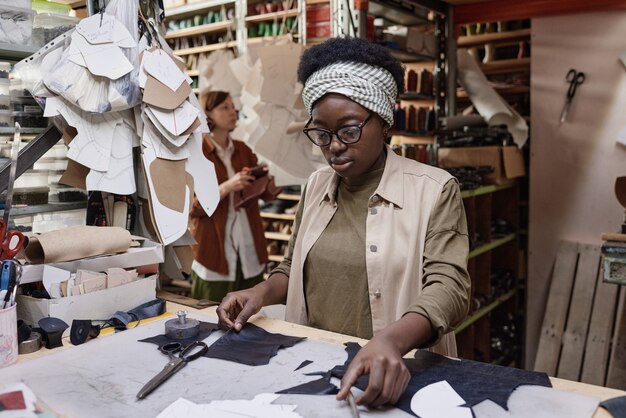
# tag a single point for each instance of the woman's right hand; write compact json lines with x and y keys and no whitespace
{"x":237,"y":307}
{"x":240,"y":181}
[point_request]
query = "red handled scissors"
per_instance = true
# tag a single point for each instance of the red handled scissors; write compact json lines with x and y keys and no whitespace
{"x":12,"y":242}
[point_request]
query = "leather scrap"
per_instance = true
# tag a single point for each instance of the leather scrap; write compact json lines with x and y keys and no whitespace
{"x":615,"y":406}
{"x":252,"y":346}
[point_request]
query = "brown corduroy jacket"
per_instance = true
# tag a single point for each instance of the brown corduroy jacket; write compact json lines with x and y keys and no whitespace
{"x":210,"y":232}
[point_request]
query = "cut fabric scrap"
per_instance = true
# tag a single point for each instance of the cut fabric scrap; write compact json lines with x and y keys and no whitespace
{"x":539,"y":402}
{"x":252,"y":345}
{"x":259,"y":407}
{"x":439,"y":400}
{"x":616,"y":406}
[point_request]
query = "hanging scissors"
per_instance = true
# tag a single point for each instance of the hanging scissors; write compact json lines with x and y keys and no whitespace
{"x":185,"y":355}
{"x":575,"y":79}
{"x":12,"y":242}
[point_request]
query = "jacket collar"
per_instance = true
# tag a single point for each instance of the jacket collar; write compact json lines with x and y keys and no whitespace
{"x":389,"y":189}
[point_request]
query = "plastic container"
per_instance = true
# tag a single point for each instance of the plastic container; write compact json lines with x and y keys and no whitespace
{"x":48,"y":26}
{"x":16,"y":25}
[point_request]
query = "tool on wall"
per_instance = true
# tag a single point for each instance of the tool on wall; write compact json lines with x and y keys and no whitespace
{"x":575,"y":79}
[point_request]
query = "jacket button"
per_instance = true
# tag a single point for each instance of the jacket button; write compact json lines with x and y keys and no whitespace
{"x":377,"y":294}
{"x":373,"y":211}
{"x":373,"y":248}
{"x":375,"y":198}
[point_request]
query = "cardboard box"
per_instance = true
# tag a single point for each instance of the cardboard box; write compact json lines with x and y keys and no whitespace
{"x":149,"y":253}
{"x":97,"y":305}
{"x":508,"y":162}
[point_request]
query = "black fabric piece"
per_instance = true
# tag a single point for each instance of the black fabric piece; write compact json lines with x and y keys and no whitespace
{"x":252,"y":345}
{"x":303,"y":364}
{"x":206,"y":328}
{"x":472,"y":380}
{"x":321,"y":386}
{"x":615,"y":406}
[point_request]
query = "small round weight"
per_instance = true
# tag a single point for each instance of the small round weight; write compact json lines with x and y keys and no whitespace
{"x":182,"y":328}
{"x":30,"y":344}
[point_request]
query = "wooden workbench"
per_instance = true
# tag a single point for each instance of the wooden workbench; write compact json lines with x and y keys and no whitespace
{"x":286,"y":328}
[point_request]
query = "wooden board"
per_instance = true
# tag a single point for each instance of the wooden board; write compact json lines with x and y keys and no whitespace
{"x":575,"y":336}
{"x":556,"y":309}
{"x":616,"y":375}
{"x":599,"y":336}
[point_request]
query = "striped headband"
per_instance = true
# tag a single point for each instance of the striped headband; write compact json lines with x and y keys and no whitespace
{"x":372,"y":87}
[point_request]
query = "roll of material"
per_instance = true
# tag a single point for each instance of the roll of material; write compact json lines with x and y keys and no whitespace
{"x":30,"y":344}
{"x":487,"y":101}
{"x":75,"y":243}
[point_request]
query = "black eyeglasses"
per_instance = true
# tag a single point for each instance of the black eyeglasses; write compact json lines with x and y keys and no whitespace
{"x":349,"y":134}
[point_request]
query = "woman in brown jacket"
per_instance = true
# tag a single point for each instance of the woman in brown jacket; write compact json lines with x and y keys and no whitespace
{"x":231,"y":252}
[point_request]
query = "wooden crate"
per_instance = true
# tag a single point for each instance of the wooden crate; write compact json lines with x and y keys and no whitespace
{"x":578,"y":340}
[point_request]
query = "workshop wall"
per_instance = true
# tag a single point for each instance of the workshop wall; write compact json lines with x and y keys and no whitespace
{"x":573,"y":165}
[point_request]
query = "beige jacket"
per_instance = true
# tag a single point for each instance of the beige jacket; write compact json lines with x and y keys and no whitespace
{"x":396,"y":226}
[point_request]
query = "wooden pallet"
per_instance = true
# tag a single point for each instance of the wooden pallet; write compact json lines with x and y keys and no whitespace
{"x":578,"y":339}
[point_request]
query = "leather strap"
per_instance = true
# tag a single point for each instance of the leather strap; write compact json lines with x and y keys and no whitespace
{"x":150,"y":309}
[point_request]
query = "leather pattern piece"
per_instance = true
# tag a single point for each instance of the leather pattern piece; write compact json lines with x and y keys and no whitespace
{"x":321,"y":386}
{"x":206,"y":328}
{"x":252,"y":346}
{"x":303,"y":364}
{"x":473,"y":381}
{"x":615,"y":406}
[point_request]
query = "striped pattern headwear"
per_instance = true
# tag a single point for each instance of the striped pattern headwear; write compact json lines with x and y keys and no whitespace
{"x":372,"y":87}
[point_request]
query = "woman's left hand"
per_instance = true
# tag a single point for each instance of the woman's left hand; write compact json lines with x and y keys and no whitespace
{"x":388,"y":375}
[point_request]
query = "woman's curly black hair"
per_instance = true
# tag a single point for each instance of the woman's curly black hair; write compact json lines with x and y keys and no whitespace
{"x":349,"y":49}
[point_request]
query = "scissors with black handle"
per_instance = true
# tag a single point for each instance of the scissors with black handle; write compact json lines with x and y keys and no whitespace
{"x":185,"y":355}
{"x":575,"y":79}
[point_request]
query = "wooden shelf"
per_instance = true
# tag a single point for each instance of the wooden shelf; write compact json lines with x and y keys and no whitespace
{"x":278,"y":216}
{"x":491,"y":188}
{"x":259,"y":39}
{"x":192,"y":73}
{"x":501,"y":91}
{"x":16,"y":51}
{"x":200,"y":30}
{"x":402,"y":139}
{"x":482,"y":312}
{"x":272,"y":16}
{"x":415,"y":96}
{"x":474,"y":40}
{"x":194,"y":8}
{"x":9,"y":130}
{"x":285,"y":196}
{"x":277,"y":258}
{"x":50,"y":207}
{"x":277,"y":236}
{"x":205,"y":48}
{"x":406,"y":56}
{"x":506,"y":66}
{"x":311,"y":2}
{"x":491,"y":245}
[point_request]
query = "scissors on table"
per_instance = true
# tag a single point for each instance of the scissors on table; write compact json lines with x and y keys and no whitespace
{"x":185,"y":355}
{"x":12,"y":241}
{"x":575,"y":79}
